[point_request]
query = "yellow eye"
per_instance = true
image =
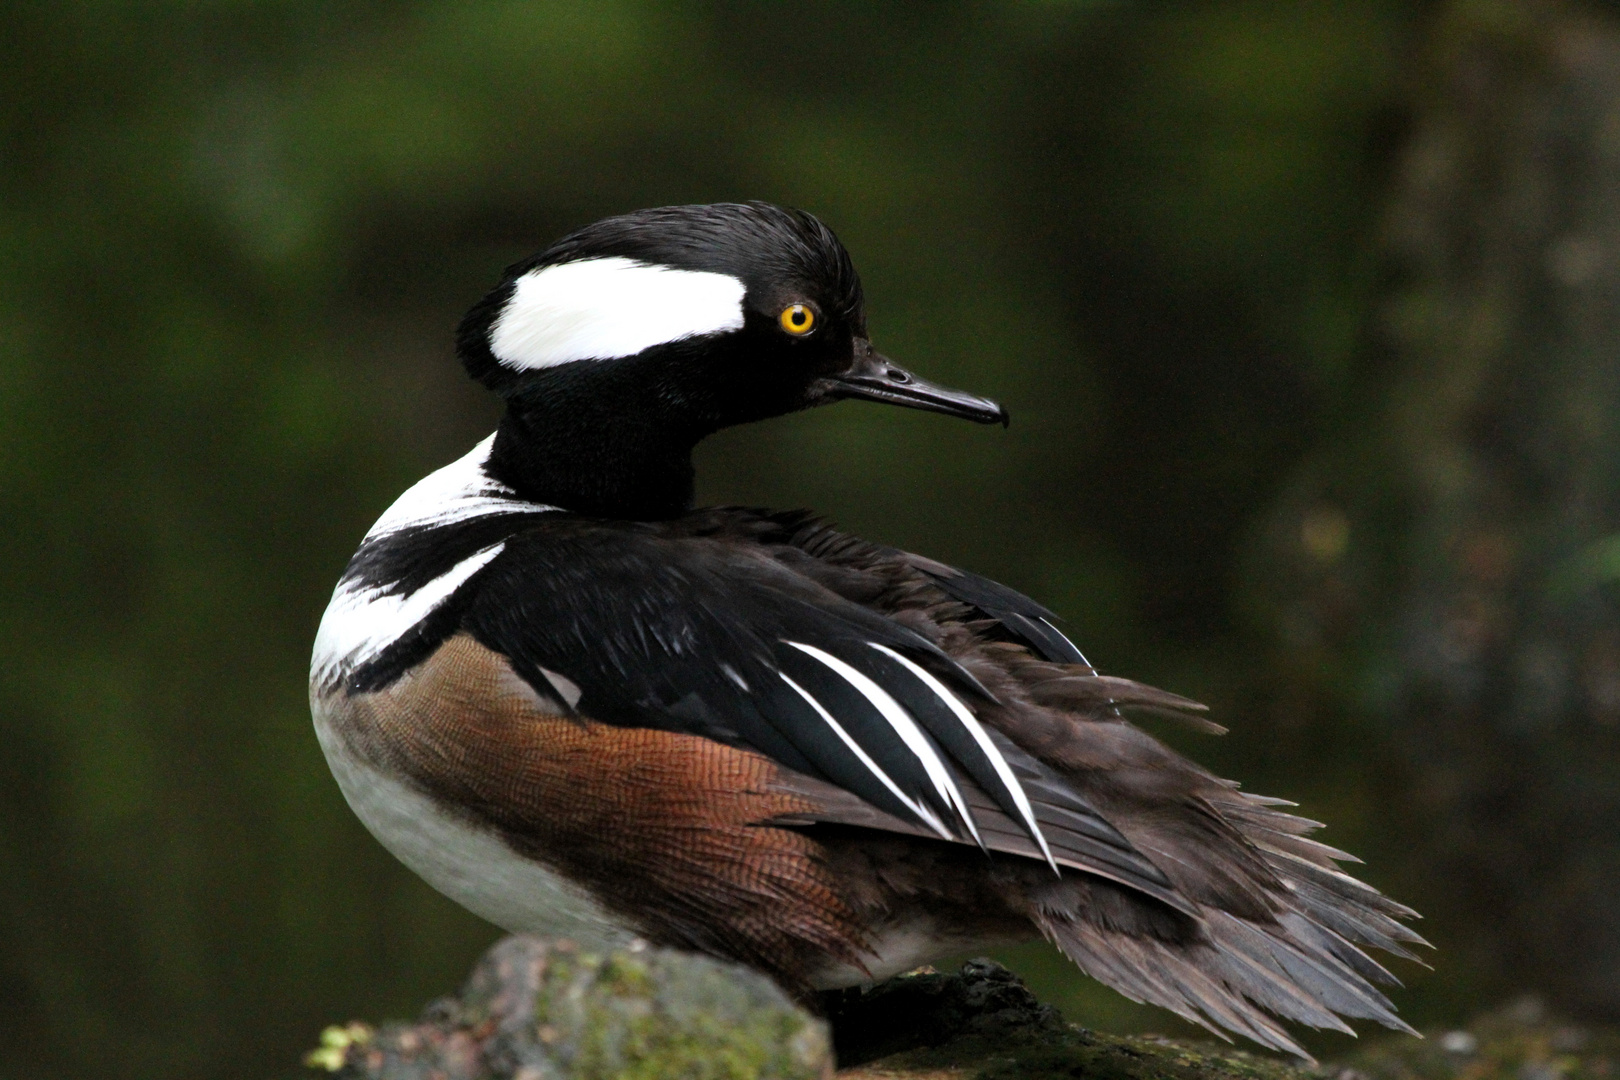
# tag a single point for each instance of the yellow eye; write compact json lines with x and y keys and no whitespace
{"x":797,"y":320}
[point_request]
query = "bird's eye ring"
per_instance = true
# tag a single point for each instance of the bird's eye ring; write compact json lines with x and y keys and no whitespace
{"x":797,"y":319}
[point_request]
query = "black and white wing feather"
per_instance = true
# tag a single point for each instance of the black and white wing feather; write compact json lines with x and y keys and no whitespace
{"x":720,"y":640}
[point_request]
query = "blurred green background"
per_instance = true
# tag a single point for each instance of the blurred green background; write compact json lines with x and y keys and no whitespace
{"x":235,"y":237}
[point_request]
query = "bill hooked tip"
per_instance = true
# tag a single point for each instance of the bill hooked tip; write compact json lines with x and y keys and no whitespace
{"x":875,"y":377}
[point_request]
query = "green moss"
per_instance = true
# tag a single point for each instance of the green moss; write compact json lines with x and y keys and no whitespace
{"x":625,"y":976}
{"x":652,"y":1048}
{"x":678,"y":1016}
{"x":543,"y":1008}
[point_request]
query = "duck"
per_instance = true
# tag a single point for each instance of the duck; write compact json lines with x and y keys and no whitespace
{"x":580,"y":706}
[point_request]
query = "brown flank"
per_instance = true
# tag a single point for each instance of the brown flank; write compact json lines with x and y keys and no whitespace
{"x":665,"y":829}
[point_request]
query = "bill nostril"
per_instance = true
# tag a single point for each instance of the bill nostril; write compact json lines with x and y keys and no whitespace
{"x":897,"y":375}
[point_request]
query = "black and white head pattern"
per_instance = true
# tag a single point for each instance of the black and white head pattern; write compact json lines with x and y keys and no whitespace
{"x":706,"y":286}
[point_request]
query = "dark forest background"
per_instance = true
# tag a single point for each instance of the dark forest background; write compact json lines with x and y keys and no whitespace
{"x":1307,"y":314}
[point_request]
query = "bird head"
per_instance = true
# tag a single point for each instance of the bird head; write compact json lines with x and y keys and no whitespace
{"x":692,"y":318}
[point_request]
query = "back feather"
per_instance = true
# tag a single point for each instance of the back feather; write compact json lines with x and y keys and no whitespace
{"x":1265,"y":924}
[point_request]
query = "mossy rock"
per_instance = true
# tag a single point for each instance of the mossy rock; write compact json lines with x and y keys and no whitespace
{"x":543,"y":1010}
{"x":1520,"y":1042}
{"x":1069,"y":1052}
{"x":540,"y":1010}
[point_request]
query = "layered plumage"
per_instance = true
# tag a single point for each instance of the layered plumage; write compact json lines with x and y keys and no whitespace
{"x":574,"y":704}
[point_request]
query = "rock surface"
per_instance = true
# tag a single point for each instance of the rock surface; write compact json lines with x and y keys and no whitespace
{"x":542,"y":1010}
{"x":1520,"y":1042}
{"x":927,"y":1009}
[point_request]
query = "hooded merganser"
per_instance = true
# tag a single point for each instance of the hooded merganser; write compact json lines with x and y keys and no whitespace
{"x":579,"y":707}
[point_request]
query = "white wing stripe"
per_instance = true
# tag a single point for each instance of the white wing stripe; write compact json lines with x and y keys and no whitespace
{"x":904,"y":726}
{"x":982,"y":737}
{"x":838,"y":729}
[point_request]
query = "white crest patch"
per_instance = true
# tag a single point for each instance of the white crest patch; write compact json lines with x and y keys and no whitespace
{"x":599,"y":309}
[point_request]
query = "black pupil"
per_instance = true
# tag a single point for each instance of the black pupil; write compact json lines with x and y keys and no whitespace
{"x":797,"y":318}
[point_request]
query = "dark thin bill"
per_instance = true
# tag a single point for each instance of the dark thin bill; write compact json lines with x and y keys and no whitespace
{"x":877,"y":378}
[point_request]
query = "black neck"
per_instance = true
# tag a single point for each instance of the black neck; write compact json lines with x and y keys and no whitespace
{"x":603,"y":462}
{"x":614,"y":438}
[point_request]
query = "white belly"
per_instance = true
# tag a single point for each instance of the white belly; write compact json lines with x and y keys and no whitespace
{"x":471,"y":866}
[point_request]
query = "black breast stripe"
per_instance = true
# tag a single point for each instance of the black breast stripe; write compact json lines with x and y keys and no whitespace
{"x":399,"y":563}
